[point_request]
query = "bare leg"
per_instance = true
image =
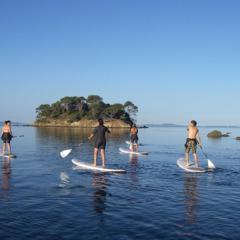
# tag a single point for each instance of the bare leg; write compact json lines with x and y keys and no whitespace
{"x":187,"y":159}
{"x":131,"y":147}
{"x":4,"y":149}
{"x":137,"y":146}
{"x":9,"y":148}
{"x":103,"y":157}
{"x":95,"y":157}
{"x":196,"y":159}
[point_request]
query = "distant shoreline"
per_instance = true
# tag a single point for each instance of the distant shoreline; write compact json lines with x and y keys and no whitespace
{"x":180,"y":126}
{"x":140,"y":127}
{"x":16,"y":124}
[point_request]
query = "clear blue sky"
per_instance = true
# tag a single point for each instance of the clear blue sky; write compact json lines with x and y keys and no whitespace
{"x":175,"y":59}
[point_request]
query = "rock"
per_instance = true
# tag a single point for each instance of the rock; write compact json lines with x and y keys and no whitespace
{"x":226,"y":135}
{"x":111,"y":123}
{"x":215,"y":134}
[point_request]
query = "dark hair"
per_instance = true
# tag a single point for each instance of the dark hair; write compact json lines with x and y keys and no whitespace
{"x":194,"y":123}
{"x":100,"y":121}
{"x":6,"y":122}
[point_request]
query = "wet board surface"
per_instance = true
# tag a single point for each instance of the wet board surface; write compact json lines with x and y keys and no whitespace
{"x":127,"y":151}
{"x":91,"y":167}
{"x":182,"y":164}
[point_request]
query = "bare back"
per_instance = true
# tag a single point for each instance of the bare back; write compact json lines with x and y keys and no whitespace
{"x":6,"y":129}
{"x":192,"y":132}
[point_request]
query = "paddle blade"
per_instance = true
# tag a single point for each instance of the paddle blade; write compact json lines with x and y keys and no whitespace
{"x":211,"y":164}
{"x":65,"y":153}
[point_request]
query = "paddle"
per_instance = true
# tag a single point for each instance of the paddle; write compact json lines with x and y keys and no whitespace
{"x":210,"y":163}
{"x":20,"y":136}
{"x":65,"y":153}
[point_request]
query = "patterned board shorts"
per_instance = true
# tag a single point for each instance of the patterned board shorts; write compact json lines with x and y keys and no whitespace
{"x":191,"y":144}
{"x":6,"y":137}
{"x":134,"y":139}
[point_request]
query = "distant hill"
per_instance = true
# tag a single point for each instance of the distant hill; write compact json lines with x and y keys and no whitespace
{"x":16,"y":124}
{"x":164,"y":125}
{"x":203,"y":126}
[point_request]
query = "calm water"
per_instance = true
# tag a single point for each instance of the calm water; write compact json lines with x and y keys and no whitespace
{"x":43,"y":197}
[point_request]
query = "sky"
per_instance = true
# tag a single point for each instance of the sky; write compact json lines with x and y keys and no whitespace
{"x":177,"y":60}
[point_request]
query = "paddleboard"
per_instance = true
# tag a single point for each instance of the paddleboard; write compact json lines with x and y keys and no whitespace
{"x":182,"y":164}
{"x":91,"y":167}
{"x":8,"y":156}
{"x":127,"y":151}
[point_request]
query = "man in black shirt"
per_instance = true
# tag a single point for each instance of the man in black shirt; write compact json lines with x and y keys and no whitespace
{"x":99,"y":133}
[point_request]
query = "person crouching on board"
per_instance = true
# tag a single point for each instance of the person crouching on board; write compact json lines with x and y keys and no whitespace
{"x":134,"y":138}
{"x":99,"y":133}
{"x":192,"y":141}
{"x":6,"y":137}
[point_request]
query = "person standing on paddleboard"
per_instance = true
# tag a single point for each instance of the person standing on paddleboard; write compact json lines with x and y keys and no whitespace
{"x":134,"y":138}
{"x":192,"y":141}
{"x":99,"y":133}
{"x":6,"y":137}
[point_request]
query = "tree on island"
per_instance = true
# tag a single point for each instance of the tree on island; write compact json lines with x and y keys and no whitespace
{"x":131,"y":109}
{"x":75,"y":109}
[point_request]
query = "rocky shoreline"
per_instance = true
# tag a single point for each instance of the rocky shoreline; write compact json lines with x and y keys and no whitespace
{"x":81,"y":124}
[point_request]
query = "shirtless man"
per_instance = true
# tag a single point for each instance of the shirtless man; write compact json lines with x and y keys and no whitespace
{"x":6,"y":137}
{"x":134,"y":138}
{"x":100,"y":141}
{"x":192,"y":141}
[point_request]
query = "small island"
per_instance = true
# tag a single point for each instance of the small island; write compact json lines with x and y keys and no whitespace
{"x":84,"y":112}
{"x":218,"y":134}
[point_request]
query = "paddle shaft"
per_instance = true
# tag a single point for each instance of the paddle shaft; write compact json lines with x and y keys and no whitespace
{"x":205,"y":155}
{"x":20,"y":136}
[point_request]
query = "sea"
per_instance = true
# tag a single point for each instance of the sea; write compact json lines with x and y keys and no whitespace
{"x":43,"y":196}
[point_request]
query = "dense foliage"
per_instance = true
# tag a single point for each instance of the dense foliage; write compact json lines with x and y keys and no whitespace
{"x":93,"y":107}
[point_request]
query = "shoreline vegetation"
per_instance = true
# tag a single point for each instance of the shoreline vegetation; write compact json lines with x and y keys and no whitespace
{"x":81,"y":112}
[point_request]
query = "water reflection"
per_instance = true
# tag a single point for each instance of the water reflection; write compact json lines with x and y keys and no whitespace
{"x":64,"y":134}
{"x":191,"y":196}
{"x":133,"y":159}
{"x":100,"y":194}
{"x":6,"y":174}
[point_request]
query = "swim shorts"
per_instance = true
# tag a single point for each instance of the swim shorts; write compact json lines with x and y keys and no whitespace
{"x":191,"y":144}
{"x":6,"y":137}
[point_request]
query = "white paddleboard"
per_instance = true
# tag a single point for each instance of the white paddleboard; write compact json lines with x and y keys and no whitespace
{"x":8,"y":156}
{"x":182,"y":164}
{"x":91,"y":167}
{"x":128,"y":151}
